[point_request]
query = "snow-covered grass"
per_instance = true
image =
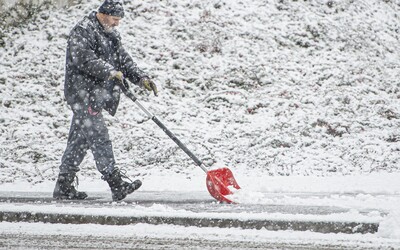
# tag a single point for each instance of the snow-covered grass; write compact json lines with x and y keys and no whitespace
{"x":276,"y":87}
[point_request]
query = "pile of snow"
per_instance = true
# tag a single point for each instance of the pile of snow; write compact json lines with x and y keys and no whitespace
{"x":390,"y":226}
{"x":273,"y":88}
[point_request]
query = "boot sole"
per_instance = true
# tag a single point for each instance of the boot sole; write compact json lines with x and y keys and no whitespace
{"x":66,"y":197}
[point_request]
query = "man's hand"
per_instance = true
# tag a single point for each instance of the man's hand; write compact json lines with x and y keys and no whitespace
{"x":116,"y":75}
{"x":148,"y":84}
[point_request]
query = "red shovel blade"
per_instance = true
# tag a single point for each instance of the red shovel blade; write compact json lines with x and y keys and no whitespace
{"x":218,"y":181}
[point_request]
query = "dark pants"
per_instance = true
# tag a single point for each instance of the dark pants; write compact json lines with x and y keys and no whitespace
{"x":88,"y":132}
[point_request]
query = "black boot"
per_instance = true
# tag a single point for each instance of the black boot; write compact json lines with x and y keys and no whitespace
{"x":120,"y":188}
{"x":65,"y":190}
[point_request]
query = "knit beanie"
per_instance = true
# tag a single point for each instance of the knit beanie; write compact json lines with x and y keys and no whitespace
{"x":112,"y":8}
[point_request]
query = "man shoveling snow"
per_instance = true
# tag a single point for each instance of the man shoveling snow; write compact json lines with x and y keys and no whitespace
{"x":96,"y":63}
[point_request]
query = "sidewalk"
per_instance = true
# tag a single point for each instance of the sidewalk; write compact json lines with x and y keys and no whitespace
{"x":189,"y":209}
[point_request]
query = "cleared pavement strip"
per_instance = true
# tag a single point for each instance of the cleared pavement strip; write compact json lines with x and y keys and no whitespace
{"x":274,"y":225}
{"x":195,"y":203}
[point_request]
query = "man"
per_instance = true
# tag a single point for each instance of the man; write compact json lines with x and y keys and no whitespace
{"x":96,"y":64}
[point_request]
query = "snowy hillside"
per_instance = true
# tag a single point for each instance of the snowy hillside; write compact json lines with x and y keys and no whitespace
{"x":278,"y":87}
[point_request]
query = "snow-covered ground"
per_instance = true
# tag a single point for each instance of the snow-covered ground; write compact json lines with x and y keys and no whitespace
{"x":143,"y":236}
{"x":292,"y":96}
{"x":373,"y":198}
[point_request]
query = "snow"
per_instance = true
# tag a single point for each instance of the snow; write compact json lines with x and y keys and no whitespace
{"x":370,"y":198}
{"x":168,"y":212}
{"x":300,"y":99}
{"x":167,"y":231}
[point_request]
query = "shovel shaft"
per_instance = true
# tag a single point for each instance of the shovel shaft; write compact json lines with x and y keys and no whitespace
{"x":131,"y":96}
{"x":178,"y":142}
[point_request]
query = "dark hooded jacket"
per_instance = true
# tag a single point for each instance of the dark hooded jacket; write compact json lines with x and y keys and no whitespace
{"x":92,"y":54}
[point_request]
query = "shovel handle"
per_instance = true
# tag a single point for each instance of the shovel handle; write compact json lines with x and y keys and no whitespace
{"x":178,"y":142}
{"x":131,"y":96}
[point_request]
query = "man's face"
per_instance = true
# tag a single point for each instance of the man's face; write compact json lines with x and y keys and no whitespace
{"x":110,"y":22}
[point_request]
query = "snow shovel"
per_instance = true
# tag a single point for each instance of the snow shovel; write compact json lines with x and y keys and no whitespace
{"x":218,"y":181}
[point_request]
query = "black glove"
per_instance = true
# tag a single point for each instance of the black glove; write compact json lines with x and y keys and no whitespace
{"x":148,"y":84}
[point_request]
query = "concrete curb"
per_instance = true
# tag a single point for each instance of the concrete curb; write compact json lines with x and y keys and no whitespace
{"x":273,"y":225}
